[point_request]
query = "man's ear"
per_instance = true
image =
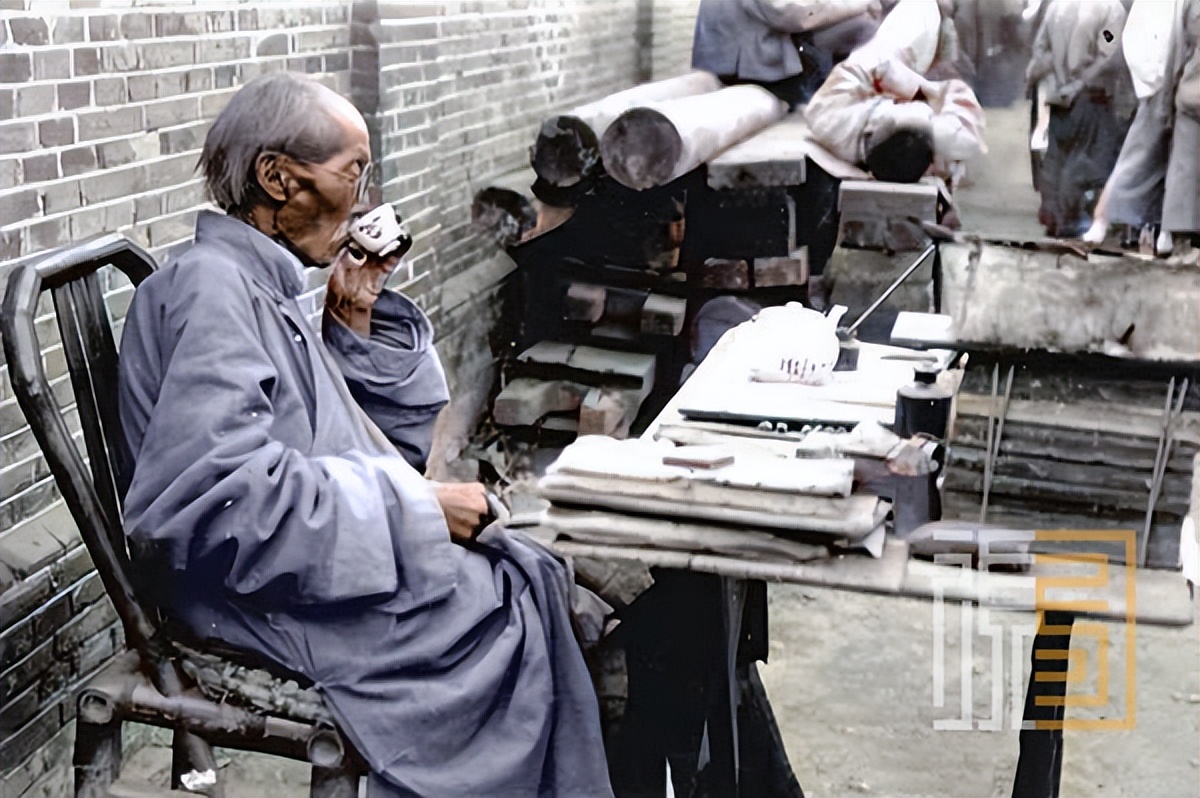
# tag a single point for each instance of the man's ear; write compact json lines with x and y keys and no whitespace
{"x":271,"y":171}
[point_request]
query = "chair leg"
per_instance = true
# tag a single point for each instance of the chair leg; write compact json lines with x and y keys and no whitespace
{"x":97,"y":757}
{"x":191,"y":753}
{"x":338,"y":782}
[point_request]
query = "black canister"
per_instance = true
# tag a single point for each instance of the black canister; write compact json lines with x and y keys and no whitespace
{"x":923,"y":406}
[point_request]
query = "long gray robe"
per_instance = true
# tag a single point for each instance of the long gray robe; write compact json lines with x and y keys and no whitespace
{"x":275,"y":516}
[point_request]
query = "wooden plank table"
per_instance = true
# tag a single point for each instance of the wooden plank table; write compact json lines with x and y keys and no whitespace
{"x":1127,"y":595}
{"x":778,"y":155}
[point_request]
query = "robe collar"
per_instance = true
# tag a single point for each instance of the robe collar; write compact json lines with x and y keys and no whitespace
{"x":267,"y":261}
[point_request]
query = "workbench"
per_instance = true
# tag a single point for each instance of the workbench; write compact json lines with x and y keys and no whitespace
{"x":1128,"y":595}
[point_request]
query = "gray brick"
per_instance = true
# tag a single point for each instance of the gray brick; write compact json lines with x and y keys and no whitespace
{"x":67,"y":30}
{"x":38,"y":168}
{"x":31,"y":736}
{"x":197,"y":80}
{"x":210,"y":106}
{"x":223,"y":48}
{"x":137,"y":26}
{"x":93,"y":653}
{"x":219,"y":22}
{"x":31,"y":632}
{"x":11,"y":241}
{"x":74,"y":95}
{"x":44,"y":774}
{"x":34,"y":99}
{"x":26,"y":597}
{"x":78,"y":160}
{"x":51,"y":64}
{"x":109,"y":122}
{"x":27,"y":671}
{"x":142,"y":87}
{"x":85,"y":61}
{"x":43,"y":235}
{"x":182,"y":139}
{"x":158,"y":55}
{"x":16,"y":67}
{"x":111,"y":184}
{"x":104,"y":28}
{"x":61,"y":197}
{"x":178,"y":23}
{"x":78,"y":562}
{"x":275,"y":44}
{"x":87,"y":592}
{"x":18,"y":710}
{"x":7,"y":104}
{"x":247,"y":19}
{"x":223,"y":76}
{"x":121,"y":57}
{"x":87,"y":222}
{"x":110,"y":91}
{"x":29,"y":30}
{"x":172,"y":112}
{"x":29,"y":547}
{"x":10,"y":174}
{"x":18,"y":205}
{"x":337,"y":62}
{"x":56,"y":132}
{"x":147,"y":206}
{"x":18,"y":137}
{"x":88,"y":623}
{"x":115,"y":153}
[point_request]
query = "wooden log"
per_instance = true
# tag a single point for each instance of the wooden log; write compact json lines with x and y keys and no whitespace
{"x":652,"y":145}
{"x":727,"y":273}
{"x":609,"y":411}
{"x":524,"y":401}
{"x":792,"y":270}
{"x":584,"y":302}
{"x":589,"y":365}
{"x":567,"y":149}
{"x":503,"y":215}
{"x":663,"y":315}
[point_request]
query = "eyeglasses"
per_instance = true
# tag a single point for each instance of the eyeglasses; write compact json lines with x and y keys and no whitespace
{"x":362,"y":183}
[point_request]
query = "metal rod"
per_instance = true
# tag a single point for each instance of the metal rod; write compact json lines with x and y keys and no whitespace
{"x":994,"y":444}
{"x":891,"y":289}
{"x":1160,"y":464}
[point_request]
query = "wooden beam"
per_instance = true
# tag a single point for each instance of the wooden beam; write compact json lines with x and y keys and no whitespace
{"x":792,"y":270}
{"x":567,"y":149}
{"x":523,"y":401}
{"x":650,"y":146}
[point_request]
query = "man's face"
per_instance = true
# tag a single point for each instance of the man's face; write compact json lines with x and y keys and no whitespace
{"x":322,"y":196}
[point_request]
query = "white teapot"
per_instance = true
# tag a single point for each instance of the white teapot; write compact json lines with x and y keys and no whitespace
{"x":792,"y":343}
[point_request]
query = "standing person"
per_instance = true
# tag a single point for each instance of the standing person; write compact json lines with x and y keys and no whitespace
{"x":276,"y":500}
{"x":785,"y":46}
{"x":1071,"y":68}
{"x":1156,"y":53}
{"x":1181,"y":203}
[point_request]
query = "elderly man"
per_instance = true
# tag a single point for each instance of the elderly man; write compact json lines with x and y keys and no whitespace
{"x":277,"y":499}
{"x":877,"y":109}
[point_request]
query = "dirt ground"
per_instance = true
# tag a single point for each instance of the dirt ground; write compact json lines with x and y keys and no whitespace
{"x":851,"y":677}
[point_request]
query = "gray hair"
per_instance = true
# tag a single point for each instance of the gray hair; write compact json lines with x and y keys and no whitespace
{"x":280,"y":112}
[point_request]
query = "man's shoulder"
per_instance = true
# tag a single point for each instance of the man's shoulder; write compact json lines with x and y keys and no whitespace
{"x":201,"y":273}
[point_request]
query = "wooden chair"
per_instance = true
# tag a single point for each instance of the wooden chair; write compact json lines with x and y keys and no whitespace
{"x":206,"y":695}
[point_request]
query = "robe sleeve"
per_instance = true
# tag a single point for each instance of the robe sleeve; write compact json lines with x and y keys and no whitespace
{"x":220,"y":502}
{"x":395,"y":374}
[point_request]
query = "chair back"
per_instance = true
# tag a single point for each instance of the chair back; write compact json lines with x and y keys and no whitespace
{"x":72,"y":277}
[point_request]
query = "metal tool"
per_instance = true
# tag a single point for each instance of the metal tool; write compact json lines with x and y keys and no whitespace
{"x":1161,"y":458}
{"x":847,"y":339}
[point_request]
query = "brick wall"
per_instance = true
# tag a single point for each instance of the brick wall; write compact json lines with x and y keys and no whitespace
{"x":103,"y":107}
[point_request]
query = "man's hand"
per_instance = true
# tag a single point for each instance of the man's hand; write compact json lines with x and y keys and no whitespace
{"x":465,"y":506}
{"x":354,"y":286}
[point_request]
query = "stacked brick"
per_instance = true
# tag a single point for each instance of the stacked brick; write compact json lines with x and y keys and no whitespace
{"x":103,"y":109}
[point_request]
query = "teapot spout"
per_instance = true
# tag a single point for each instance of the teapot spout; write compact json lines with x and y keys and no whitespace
{"x":835,"y":315}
